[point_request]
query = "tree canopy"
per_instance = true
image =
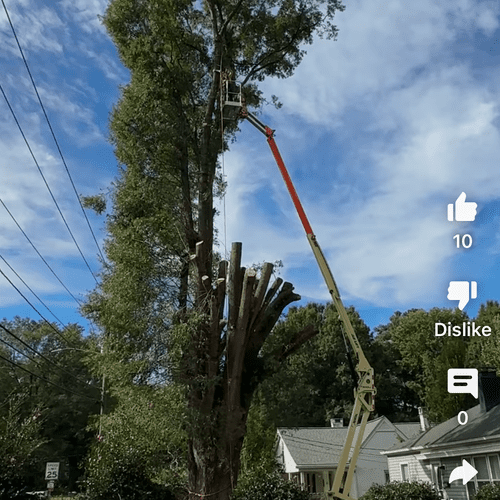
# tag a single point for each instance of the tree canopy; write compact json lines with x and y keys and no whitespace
{"x":53,"y":389}
{"x":159,"y":301}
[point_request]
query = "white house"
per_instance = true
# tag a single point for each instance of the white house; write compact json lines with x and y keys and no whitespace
{"x":310,"y":455}
{"x":432,"y":456}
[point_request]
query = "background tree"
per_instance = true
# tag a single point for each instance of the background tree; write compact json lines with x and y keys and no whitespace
{"x":428,"y":358}
{"x":19,"y":438}
{"x":57,"y":385}
{"x":317,"y":383}
{"x":396,"y":398}
{"x":168,"y":136}
{"x":485,"y":351}
{"x":141,"y":448}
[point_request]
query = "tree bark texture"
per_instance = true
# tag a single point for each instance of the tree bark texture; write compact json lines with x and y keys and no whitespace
{"x":229,"y":368}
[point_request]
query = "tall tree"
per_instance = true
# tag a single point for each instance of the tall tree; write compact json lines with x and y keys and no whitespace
{"x":160,"y":287}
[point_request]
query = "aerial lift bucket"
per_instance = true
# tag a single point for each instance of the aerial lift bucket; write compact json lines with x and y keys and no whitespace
{"x":232,"y":101}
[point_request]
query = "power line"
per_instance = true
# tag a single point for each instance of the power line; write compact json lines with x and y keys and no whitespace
{"x":50,"y":127}
{"x":39,"y":354}
{"x":19,"y":351}
{"x":39,"y":254}
{"x":45,"y":181}
{"x":35,"y":309}
{"x":30,"y":289}
{"x":48,"y":381}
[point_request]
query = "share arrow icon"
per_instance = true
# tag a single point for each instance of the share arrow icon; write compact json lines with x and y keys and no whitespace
{"x":465,"y":473}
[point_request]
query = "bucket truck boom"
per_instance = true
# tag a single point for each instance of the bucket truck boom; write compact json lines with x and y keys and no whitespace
{"x":364,"y":394}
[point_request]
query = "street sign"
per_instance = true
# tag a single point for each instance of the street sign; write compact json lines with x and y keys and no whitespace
{"x":52,"y":471}
{"x":50,"y":485}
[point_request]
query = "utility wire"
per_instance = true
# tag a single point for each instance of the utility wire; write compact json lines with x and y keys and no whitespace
{"x":39,"y":354}
{"x":48,"y":381}
{"x":30,"y":289}
{"x":19,"y":351}
{"x":39,"y":254}
{"x":35,"y":309}
{"x":45,"y":181}
{"x":50,"y":127}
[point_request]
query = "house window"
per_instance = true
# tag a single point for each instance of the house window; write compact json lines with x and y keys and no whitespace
{"x":482,"y":477}
{"x":387,"y":477}
{"x":495,"y":468}
{"x":404,"y":472}
{"x":488,"y":468}
{"x":311,"y":482}
{"x":437,"y":476}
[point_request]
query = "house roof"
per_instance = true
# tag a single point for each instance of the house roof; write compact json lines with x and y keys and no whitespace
{"x":409,"y":429}
{"x":322,"y":446}
{"x":314,"y":445}
{"x":480,"y":426}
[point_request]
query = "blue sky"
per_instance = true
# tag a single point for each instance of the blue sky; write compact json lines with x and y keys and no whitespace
{"x":380,"y":131}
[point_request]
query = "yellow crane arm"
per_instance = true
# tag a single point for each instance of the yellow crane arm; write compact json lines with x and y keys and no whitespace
{"x":365,"y":392}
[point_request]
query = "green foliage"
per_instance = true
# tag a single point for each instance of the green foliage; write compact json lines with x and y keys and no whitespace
{"x":258,"y":453}
{"x":19,"y":438}
{"x":129,"y":479}
{"x":151,"y":304}
{"x":489,"y":492}
{"x":96,"y":203}
{"x":401,"y":491}
{"x":428,"y":357}
{"x":393,"y":380}
{"x":140,"y":445}
{"x":315,"y":383}
{"x":485,"y":351}
{"x":65,"y":413}
{"x":268,"y":486}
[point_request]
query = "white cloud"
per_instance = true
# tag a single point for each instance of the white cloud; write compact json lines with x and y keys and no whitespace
{"x":77,"y":120}
{"x":419,"y":126}
{"x":106,"y":63}
{"x":379,"y":45}
{"x":35,"y":27}
{"x":85,"y":13}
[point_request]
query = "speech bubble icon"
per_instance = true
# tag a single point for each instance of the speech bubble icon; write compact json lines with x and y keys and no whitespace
{"x":463,"y":381}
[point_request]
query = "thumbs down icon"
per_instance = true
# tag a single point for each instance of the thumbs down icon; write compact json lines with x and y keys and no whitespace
{"x":461,"y":291}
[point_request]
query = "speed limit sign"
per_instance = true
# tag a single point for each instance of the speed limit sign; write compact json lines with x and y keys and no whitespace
{"x":52,"y":471}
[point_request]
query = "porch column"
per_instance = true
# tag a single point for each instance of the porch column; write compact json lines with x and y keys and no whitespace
{"x":302,"y":480}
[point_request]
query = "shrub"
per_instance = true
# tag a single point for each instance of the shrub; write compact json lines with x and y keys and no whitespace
{"x":489,"y":492}
{"x":19,"y":438}
{"x":128,"y":479}
{"x":268,"y":486}
{"x":139,"y":448}
{"x":401,"y":491}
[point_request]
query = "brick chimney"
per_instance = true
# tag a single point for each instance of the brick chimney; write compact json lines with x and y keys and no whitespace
{"x":489,"y":389}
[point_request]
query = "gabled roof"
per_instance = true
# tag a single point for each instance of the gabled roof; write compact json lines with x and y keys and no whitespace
{"x":409,"y":429}
{"x":480,"y":426}
{"x":314,"y":445}
{"x":322,"y":446}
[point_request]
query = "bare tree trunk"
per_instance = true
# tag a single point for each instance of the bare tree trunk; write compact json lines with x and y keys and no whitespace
{"x":228,"y":370}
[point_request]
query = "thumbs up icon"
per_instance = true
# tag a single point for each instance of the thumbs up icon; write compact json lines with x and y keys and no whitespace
{"x":465,"y":211}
